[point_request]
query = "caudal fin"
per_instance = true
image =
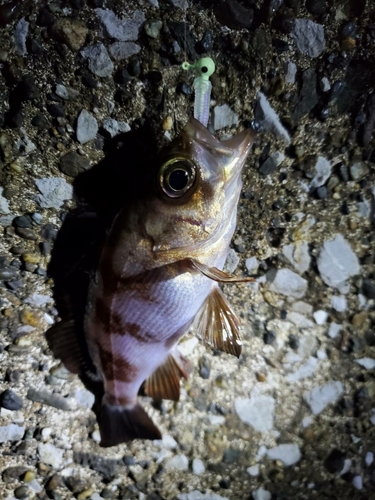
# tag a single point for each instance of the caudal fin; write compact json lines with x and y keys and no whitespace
{"x":119,"y":424}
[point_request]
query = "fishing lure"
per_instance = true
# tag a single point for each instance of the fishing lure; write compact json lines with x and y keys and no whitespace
{"x":205,"y":67}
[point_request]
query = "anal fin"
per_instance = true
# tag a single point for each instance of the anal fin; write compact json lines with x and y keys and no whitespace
{"x":164,"y":383}
{"x":217,"y":324}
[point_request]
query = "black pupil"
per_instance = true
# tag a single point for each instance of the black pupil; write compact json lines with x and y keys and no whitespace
{"x":204,"y":69}
{"x":178,"y":179}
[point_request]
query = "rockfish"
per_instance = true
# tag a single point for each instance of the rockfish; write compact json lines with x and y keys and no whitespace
{"x":158,"y":277}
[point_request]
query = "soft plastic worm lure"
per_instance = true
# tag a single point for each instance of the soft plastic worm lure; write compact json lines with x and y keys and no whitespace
{"x":202,"y":87}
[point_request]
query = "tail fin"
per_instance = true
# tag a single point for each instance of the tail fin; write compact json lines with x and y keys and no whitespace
{"x":119,"y":424}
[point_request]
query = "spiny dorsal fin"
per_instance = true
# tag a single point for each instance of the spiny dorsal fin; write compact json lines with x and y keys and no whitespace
{"x":217,"y":324}
{"x":164,"y":383}
{"x":217,"y":275}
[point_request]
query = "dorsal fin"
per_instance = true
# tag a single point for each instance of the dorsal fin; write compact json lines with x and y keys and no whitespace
{"x":217,"y":324}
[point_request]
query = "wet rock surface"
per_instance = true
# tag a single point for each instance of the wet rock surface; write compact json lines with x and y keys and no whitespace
{"x":90,"y":88}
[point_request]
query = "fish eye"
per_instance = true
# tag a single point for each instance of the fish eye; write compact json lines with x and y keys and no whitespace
{"x":176,"y":177}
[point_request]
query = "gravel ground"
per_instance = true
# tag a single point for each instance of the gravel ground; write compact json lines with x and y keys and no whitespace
{"x":98,"y":83}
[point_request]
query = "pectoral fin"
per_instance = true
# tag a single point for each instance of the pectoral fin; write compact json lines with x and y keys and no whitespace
{"x":217,"y":324}
{"x":216,"y":274}
{"x":164,"y":383}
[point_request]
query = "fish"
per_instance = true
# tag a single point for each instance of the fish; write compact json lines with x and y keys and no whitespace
{"x":158,"y":277}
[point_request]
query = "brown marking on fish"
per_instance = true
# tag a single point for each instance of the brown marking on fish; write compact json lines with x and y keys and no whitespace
{"x":117,"y":401}
{"x":116,"y":367}
{"x":120,"y":327}
{"x":102,"y":311}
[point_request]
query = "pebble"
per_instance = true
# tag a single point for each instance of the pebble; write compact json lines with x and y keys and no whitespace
{"x":198,"y":467}
{"x":322,"y":396}
{"x":269,"y":119}
{"x":11,"y":432}
{"x":369,"y":458}
{"x":153,"y":27}
{"x":334,"y":462}
{"x":73,"y":164}
{"x":113,"y":127}
{"x":308,"y":37}
{"x":339,"y":303}
{"x":337,"y":262}
{"x":288,"y":454}
{"x":121,"y":29}
{"x":269,"y":337}
{"x":20,"y":35}
{"x":51,"y":455}
{"x":358,"y":170}
{"x":261,"y":494}
{"x":304,"y":371}
{"x":251,"y":264}
{"x":26,"y":233}
{"x":287,"y":283}
{"x":48,"y":398}
{"x":22,"y":221}
{"x":256,"y":411}
{"x":323,"y":169}
{"x":290,"y":72}
{"x":123,"y":50}
{"x":84,"y":398}
{"x":21,"y":492}
{"x":325,"y":86}
{"x":87,"y":127}
{"x":178,"y":462}
{"x":197,"y":495}
{"x":99,"y":61}
{"x":10,"y":400}
{"x":367,"y":363}
{"x":166,"y":442}
{"x":253,"y":470}
{"x":334,"y":330}
{"x":4,"y":205}
{"x":54,"y":191}
{"x":37,"y":218}
{"x":320,"y":317}
{"x":232,"y":261}
{"x":223,"y":116}
{"x":368,"y":288}
{"x":268,"y":167}
{"x":70,"y":31}
{"x":357,"y":482}
{"x":298,"y":255}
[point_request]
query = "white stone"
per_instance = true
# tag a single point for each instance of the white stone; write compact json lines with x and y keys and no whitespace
{"x":320,"y":317}
{"x":304,"y":371}
{"x":167,"y":442}
{"x":372,"y":416}
{"x":54,"y":191}
{"x":4,"y":205}
{"x":271,"y":121}
{"x":369,"y":458}
{"x":334,"y":330}
{"x":307,"y":421}
{"x":11,"y":432}
{"x":261,"y":494}
{"x":38,"y":300}
{"x":339,"y":303}
{"x":307,"y":345}
{"x":84,"y":398}
{"x":357,"y":482}
{"x":113,"y":127}
{"x":121,"y":29}
{"x":324,"y":84}
{"x":95,"y":436}
{"x":251,"y":264}
{"x":278,"y":157}
{"x":337,"y":262}
{"x":253,"y":470}
{"x":187,"y":346}
{"x":179,"y":462}
{"x":224,"y":117}
{"x":323,"y":169}
{"x":50,"y":455}
{"x":232,"y":261}
{"x":35,"y":486}
{"x":46,"y":433}
{"x":197,"y":495}
{"x":302,"y":307}
{"x":300,"y":320}
{"x":216,"y":419}
{"x":287,"y":283}
{"x":261,"y":452}
{"x":198,"y":467}
{"x":298,"y":255}
{"x":123,"y":50}
{"x":289,"y":454}
{"x":99,"y":61}
{"x":256,"y":411}
{"x":290,"y":72}
{"x":322,"y":396}
{"x":347,"y":466}
{"x":321,"y":354}
{"x":367,"y":363}
{"x":308,"y":37}
{"x":20,"y":35}
{"x":87,"y":127}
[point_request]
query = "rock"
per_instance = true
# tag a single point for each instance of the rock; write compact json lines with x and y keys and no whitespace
{"x":269,"y":119}
{"x":153,"y":27}
{"x":233,"y":14}
{"x":253,"y":470}
{"x":167,"y":442}
{"x":334,"y":330}
{"x":325,"y":86}
{"x":287,"y":283}
{"x":322,"y":396}
{"x":4,"y":206}
{"x":339,"y":304}
{"x":358,"y":170}
{"x":181,"y":4}
{"x":123,"y":50}
{"x":223,"y":116}
{"x":316,"y":7}
{"x":11,"y":432}
{"x":323,"y":169}
{"x":268,"y":167}
{"x":358,"y":482}
{"x":70,"y":31}
{"x":367,"y":363}
{"x":251,"y":264}
{"x":261,"y":494}
{"x":113,"y":127}
{"x":334,"y":462}
{"x":198,"y":467}
{"x":197,"y":495}
{"x":22,"y":221}
{"x":87,"y":127}
{"x":308,"y":97}
{"x":48,"y":398}
{"x":256,"y":411}
{"x":232,"y":261}
{"x":84,"y":398}
{"x":73,"y":164}
{"x":288,"y":454}
{"x":51,"y":455}
{"x":269,"y":337}
{"x":10,"y":400}
{"x":304,"y":371}
{"x":290,"y":72}
{"x":337,"y":262}
{"x":298,"y":255}
{"x":369,"y":458}
{"x":368,"y":288}
{"x":178,"y":462}
{"x":15,"y":473}
{"x":54,"y":191}
{"x":56,"y":110}
{"x":300,"y":320}
{"x":99,"y":61}
{"x":20,"y":35}
{"x":121,"y":29}
{"x":308,"y":37}
{"x":320,"y":317}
